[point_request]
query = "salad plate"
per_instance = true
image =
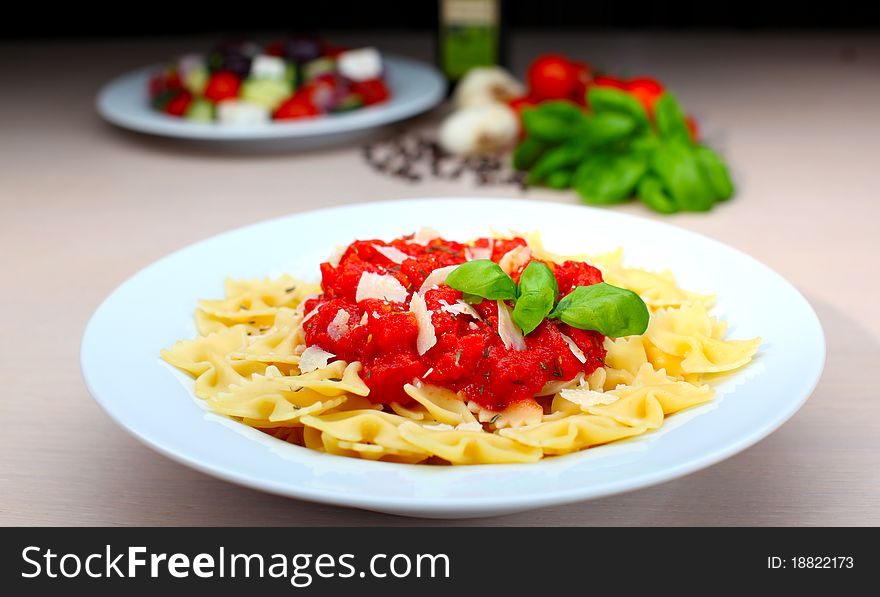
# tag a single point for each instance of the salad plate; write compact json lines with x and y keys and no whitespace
{"x":123,"y":371}
{"x":415,"y":88}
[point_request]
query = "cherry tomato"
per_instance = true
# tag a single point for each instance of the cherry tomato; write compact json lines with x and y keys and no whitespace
{"x":518,"y":104}
{"x":178,"y":104}
{"x":693,"y":128}
{"x":276,"y":48}
{"x":373,"y":91}
{"x":583,"y":76}
{"x":551,"y":76}
{"x":222,"y":85}
{"x":606,"y":81}
{"x":298,"y":106}
{"x":646,"y":90}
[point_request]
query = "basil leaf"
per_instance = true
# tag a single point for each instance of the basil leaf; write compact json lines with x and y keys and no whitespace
{"x":561,"y":179}
{"x":568,"y":154}
{"x":527,"y":153}
{"x":604,"y":129}
{"x":607,"y":309}
{"x":484,"y":278}
{"x":608,"y":99}
{"x":670,"y":120}
{"x":553,"y":121}
{"x":652,"y":194}
{"x":604,"y":179}
{"x":676,"y":165}
{"x":715,"y":171}
{"x":537,"y":294}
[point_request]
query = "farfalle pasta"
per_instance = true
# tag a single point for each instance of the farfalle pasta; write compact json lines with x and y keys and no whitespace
{"x":388,"y":359}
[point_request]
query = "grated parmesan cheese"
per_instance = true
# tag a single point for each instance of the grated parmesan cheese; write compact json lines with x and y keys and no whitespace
{"x":510,"y":334}
{"x":314,"y":358}
{"x":427,"y":337}
{"x":364,"y":318}
{"x":393,"y":254}
{"x":574,"y":348}
{"x":380,"y":286}
{"x":336,"y":256}
{"x":310,"y":314}
{"x":339,"y":326}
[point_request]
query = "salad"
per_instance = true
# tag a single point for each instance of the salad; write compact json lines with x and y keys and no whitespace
{"x":249,"y":83}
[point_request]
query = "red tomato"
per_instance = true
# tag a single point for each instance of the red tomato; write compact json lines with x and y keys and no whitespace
{"x":646,"y":90}
{"x":606,"y":81}
{"x":178,"y":104}
{"x":583,"y":76}
{"x":334,"y":51}
{"x":693,"y":128}
{"x":298,"y":106}
{"x":518,"y":104}
{"x":373,"y":91}
{"x":276,"y":48}
{"x":222,"y":85}
{"x":551,"y":76}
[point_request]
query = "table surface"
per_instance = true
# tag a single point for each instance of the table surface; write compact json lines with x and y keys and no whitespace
{"x":83,"y":206}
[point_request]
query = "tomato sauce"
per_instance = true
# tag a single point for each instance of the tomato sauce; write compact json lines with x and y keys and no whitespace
{"x":469,"y":355}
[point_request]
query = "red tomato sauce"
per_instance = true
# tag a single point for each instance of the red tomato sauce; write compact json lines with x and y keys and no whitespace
{"x":469,"y":356}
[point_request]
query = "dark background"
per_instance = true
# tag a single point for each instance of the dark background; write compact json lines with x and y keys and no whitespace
{"x":156,"y":18}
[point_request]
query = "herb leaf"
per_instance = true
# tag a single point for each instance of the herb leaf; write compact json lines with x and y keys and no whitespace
{"x":671,"y":123}
{"x":537,"y":294}
{"x":607,"y":309}
{"x":484,"y":278}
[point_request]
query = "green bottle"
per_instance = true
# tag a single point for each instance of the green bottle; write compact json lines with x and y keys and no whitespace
{"x":471,"y":33}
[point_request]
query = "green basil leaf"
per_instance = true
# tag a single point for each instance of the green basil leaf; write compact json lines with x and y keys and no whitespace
{"x":599,"y":130}
{"x":652,"y":194}
{"x":676,"y":165}
{"x":554,"y":121}
{"x":568,"y":154}
{"x":607,"y":309}
{"x":471,"y":299}
{"x":605,"y":179}
{"x":561,"y":179}
{"x":484,"y":278}
{"x":670,"y":120}
{"x":608,"y":99}
{"x":715,"y":171}
{"x":537,"y":292}
{"x":527,"y":153}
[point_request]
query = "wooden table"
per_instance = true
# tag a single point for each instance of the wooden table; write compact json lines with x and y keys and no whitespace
{"x":84,"y":206}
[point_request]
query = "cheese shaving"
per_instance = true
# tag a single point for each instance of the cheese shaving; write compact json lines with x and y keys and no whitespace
{"x":514,"y":259}
{"x":459,"y":308}
{"x":380,"y":286}
{"x":427,"y":337}
{"x":574,"y":348}
{"x":436,"y":277}
{"x":314,"y":358}
{"x":474,"y":253}
{"x":584,"y":397}
{"x":393,"y":254}
{"x":510,"y":334}
{"x":424,"y":236}
{"x":339,"y":326}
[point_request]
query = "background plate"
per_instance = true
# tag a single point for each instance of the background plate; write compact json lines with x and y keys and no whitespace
{"x":154,"y":308}
{"x":415,"y":87}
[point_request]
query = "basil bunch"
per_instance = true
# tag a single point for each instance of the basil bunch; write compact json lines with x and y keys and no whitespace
{"x":615,"y":152}
{"x":607,"y":309}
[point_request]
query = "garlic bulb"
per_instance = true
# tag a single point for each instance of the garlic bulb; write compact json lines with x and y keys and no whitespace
{"x":486,"y":128}
{"x":485,"y":85}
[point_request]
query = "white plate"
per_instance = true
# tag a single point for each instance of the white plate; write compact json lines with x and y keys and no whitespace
{"x":154,"y":308}
{"x":415,"y":87}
